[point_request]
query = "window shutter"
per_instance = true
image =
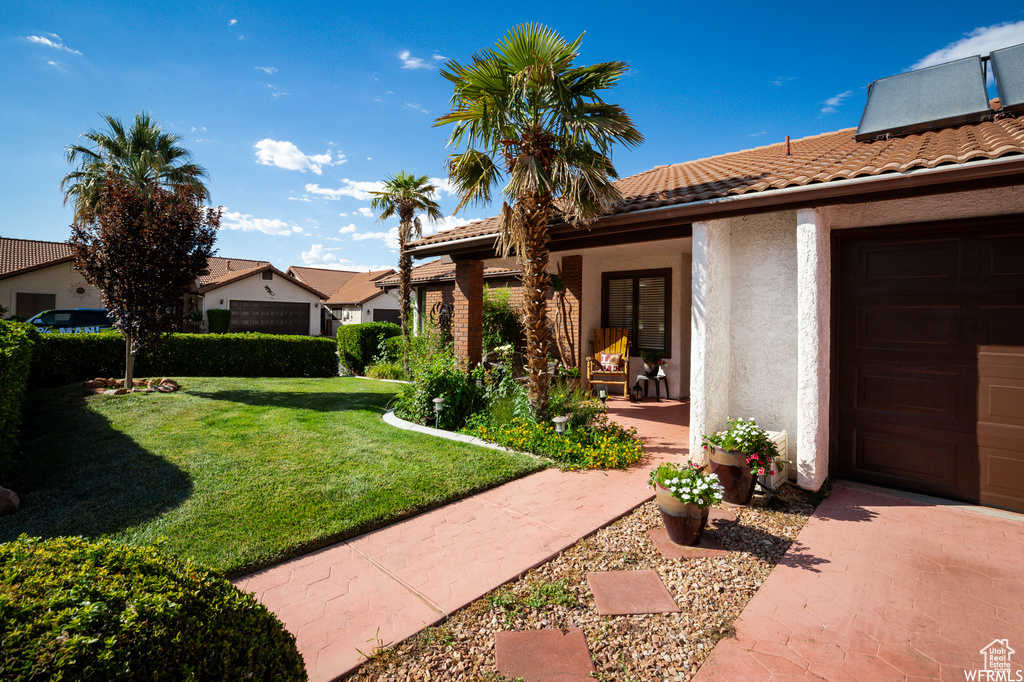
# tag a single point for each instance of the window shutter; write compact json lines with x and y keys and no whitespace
{"x":652,"y":318}
{"x":620,"y":305}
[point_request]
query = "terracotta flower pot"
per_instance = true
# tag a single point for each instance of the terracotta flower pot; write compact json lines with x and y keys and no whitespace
{"x":733,"y":471}
{"x":684,"y":522}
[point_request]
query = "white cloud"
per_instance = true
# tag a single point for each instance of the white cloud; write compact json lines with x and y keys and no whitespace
{"x":232,"y":22}
{"x":269,"y":70}
{"x":343,"y":215}
{"x":320,"y":257}
{"x":50,"y":43}
{"x":382,"y":236}
{"x":446,"y":223}
{"x":286,"y":155}
{"x":763,"y":132}
{"x":349,"y":188}
{"x":365,"y":212}
{"x":444,"y":186}
{"x":833,"y":103}
{"x":348,"y":229}
{"x":980,"y":41}
{"x":52,"y":63}
{"x":306,"y":199}
{"x":275,"y":95}
{"x":781,"y":80}
{"x":246,"y":223}
{"x":369,"y":158}
{"x":201,"y":129}
{"x":390,"y":237}
{"x":410,"y":62}
{"x":417,"y":107}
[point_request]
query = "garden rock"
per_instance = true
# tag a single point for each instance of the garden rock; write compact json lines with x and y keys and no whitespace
{"x":9,"y":502}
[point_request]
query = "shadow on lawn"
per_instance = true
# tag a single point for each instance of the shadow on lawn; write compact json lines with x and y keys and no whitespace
{"x":78,"y":475}
{"x":320,"y":401}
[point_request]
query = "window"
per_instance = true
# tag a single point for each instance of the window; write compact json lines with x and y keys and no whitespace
{"x":641,"y":303}
{"x":267,"y":275}
{"x":26,"y":305}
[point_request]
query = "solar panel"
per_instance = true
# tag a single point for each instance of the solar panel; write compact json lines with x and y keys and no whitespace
{"x":933,"y":97}
{"x":1008,"y":68}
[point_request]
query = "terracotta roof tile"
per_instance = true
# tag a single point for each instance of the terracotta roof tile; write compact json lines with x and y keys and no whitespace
{"x":221,"y":268}
{"x":438,"y":271}
{"x":816,"y":159}
{"x":20,"y":255}
{"x":358,"y":290}
{"x":322,"y":279}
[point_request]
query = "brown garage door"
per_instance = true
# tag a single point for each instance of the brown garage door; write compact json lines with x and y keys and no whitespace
{"x":915,"y":307}
{"x":270,"y":317}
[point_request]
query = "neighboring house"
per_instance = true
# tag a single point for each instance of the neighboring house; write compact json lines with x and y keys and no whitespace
{"x":865,"y":296}
{"x":260,"y":297}
{"x":326,"y":281}
{"x":433,"y":286}
{"x":359,"y":300}
{"x":37,"y":276}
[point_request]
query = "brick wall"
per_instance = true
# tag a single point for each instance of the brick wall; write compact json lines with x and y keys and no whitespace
{"x":564,"y":312}
{"x":467,"y":322}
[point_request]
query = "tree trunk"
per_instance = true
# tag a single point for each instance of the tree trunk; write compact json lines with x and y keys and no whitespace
{"x":404,"y":292}
{"x":129,"y":364}
{"x":535,"y":286}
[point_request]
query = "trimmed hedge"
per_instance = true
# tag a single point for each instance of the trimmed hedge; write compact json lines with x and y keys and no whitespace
{"x":72,"y":609}
{"x":359,"y":343}
{"x":65,"y":358}
{"x":219,"y":320}
{"x":16,"y":345}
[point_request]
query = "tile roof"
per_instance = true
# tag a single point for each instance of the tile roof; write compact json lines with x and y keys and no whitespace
{"x":322,"y":279}
{"x":358,"y":290}
{"x":22,"y":255}
{"x":221,"y":268}
{"x":439,"y":270}
{"x":812,"y":160}
{"x":235,"y":275}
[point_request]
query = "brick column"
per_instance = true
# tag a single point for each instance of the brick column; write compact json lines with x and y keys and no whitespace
{"x":468,"y":318}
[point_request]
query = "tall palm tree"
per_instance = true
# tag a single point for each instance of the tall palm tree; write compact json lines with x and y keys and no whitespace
{"x":142,"y":155}
{"x":528,"y":114}
{"x":405,"y":195}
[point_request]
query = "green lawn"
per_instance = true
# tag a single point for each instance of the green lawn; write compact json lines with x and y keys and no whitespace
{"x":235,"y":472}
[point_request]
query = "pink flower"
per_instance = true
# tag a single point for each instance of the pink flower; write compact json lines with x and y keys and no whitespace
{"x":761,"y":471}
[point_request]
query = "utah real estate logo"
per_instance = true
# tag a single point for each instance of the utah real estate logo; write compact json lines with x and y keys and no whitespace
{"x":997,"y":664}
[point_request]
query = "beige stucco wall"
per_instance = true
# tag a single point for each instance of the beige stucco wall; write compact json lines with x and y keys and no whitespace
{"x":672,"y":253}
{"x":354,"y":314}
{"x":252,"y":288}
{"x":61,"y":280}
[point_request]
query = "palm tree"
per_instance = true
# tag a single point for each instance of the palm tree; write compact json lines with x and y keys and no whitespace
{"x":143,"y":156}
{"x":525,"y":112}
{"x":406,"y":195}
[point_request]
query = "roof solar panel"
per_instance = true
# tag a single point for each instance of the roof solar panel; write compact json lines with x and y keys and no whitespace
{"x":933,"y":97}
{"x":1008,"y":68}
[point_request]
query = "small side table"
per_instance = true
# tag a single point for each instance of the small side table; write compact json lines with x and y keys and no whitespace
{"x":657,"y":383}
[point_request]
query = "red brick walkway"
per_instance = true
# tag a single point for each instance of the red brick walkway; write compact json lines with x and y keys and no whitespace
{"x":390,"y":584}
{"x":877,"y":587}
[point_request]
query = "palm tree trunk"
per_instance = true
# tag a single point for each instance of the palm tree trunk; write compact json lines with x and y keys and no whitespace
{"x":404,"y":292}
{"x":535,"y":285}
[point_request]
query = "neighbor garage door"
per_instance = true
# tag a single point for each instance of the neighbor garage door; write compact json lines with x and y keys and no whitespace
{"x":916,"y":308}
{"x":270,"y":317}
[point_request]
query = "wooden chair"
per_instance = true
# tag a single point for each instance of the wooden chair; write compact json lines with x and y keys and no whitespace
{"x":614,"y":341}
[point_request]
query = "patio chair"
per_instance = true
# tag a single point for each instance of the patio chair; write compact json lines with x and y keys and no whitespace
{"x":609,"y":370}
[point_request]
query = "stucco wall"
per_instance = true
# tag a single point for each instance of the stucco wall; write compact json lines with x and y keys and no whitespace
{"x":253,"y":288}
{"x":383,"y":302}
{"x":674,"y":254}
{"x":61,"y":280}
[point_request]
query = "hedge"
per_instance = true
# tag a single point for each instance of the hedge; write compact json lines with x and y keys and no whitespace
{"x":358,"y":344}
{"x":16,"y":345}
{"x":65,"y":358}
{"x":71,"y":609}
{"x":219,"y":320}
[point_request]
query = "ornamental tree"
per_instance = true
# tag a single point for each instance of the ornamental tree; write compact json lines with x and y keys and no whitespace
{"x":144,"y":250}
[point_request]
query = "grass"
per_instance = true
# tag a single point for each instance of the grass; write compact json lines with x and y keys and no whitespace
{"x":238,"y":473}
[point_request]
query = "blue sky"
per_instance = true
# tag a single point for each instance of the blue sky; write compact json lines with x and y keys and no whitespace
{"x":297,"y":109}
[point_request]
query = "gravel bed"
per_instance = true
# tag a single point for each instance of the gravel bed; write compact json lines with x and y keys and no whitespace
{"x":711,"y":593}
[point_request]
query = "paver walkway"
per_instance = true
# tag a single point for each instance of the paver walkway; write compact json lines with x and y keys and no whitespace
{"x":387,"y":585}
{"x":878,"y":587}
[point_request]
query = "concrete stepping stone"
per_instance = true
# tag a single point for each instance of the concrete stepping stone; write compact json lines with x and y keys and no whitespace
{"x":543,"y":655}
{"x":708,"y":546}
{"x":721,"y":518}
{"x":624,"y":593}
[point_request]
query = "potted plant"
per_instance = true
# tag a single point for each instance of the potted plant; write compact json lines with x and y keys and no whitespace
{"x":653,"y":362}
{"x":684,"y":492}
{"x":737,"y":455}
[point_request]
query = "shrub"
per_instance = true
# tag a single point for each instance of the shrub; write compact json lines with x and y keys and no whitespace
{"x":441,"y":378}
{"x":392,"y":351}
{"x":502,"y":325}
{"x":359,"y":344}
{"x":16,"y":346}
{"x":604,"y":445}
{"x":65,"y":358}
{"x":78,"y":610}
{"x":220,"y":320}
